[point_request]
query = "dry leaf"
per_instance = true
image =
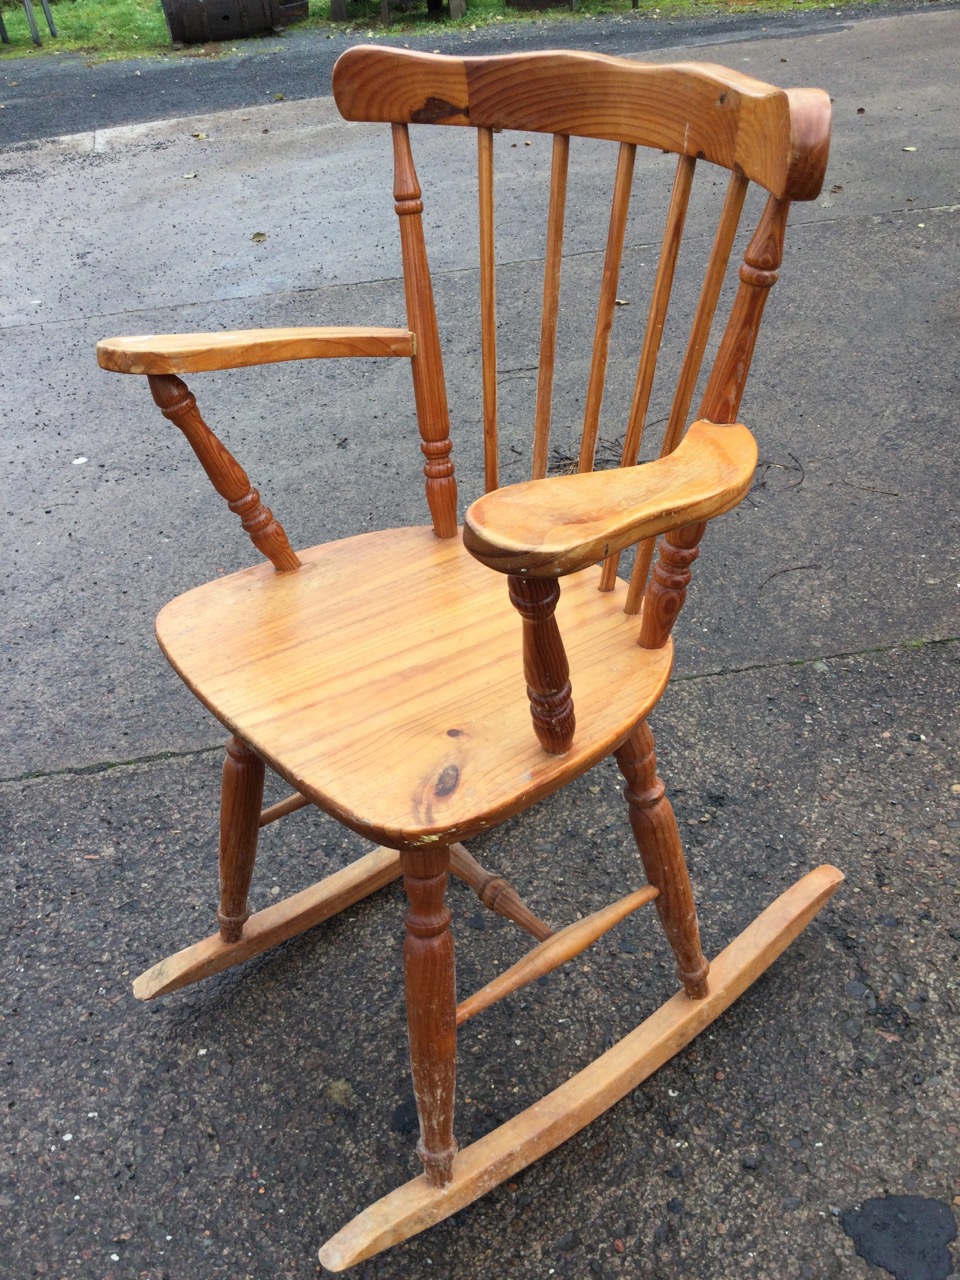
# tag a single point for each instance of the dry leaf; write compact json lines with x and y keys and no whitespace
{"x":908,"y":148}
{"x":190,"y":175}
{"x":201,"y":136}
{"x":621,"y":302}
{"x":278,"y":97}
{"x":259,"y":236}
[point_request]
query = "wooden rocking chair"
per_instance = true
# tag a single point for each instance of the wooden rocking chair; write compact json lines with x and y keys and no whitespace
{"x":382,"y":676}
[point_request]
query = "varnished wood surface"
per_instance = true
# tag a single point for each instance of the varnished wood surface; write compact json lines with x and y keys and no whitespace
{"x":430,"y":980}
{"x":520,"y":1141}
{"x":603,"y":329}
{"x":553,"y":261}
{"x":776,"y":137}
{"x":399,"y":648}
{"x":658,"y":842}
{"x":275,"y":924}
{"x":496,"y":893}
{"x":199,"y":352}
{"x":178,"y":404}
{"x":667,"y":588}
{"x":429,"y":387}
{"x":556,"y":526}
{"x":241,"y":795}
{"x":553,"y":952}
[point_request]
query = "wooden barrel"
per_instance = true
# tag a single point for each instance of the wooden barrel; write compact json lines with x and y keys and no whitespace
{"x":200,"y":21}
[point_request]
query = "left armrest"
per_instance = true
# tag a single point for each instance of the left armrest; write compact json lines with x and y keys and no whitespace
{"x":549,"y":528}
{"x":200,"y":352}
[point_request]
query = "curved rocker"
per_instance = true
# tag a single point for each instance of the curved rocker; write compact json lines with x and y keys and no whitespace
{"x":497,"y":1156}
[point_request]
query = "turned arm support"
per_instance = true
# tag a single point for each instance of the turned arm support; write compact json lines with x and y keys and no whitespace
{"x":549,"y":528}
{"x":201,"y":352}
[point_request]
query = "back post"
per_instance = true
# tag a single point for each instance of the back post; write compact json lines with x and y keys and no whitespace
{"x":664,"y":593}
{"x":429,"y":387}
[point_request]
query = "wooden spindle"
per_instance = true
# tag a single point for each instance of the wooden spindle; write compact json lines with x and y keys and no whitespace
{"x":653,"y":336}
{"x":429,"y":388}
{"x":280,"y":810}
{"x":488,"y":310}
{"x":241,"y":795}
{"x":692,"y":361}
{"x":607,"y":304}
{"x":658,"y":841}
{"x":706,"y":309}
{"x":177,"y":403}
{"x":758,"y":274}
{"x":428,"y":963}
{"x":667,"y":588}
{"x":551,"y":303}
{"x":545,"y":664}
{"x":496,"y":894}
{"x":553,"y":952}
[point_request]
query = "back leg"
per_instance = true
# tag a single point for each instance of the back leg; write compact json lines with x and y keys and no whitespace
{"x":658,"y":840}
{"x":241,"y":796}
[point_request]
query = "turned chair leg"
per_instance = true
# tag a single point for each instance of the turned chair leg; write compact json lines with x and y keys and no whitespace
{"x":431,"y":1007}
{"x":241,"y":797}
{"x":658,"y":840}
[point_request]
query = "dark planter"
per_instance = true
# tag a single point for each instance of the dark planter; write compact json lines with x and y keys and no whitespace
{"x":199,"y":21}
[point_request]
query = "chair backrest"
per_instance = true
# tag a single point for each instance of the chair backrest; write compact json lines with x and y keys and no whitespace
{"x":775,"y":138}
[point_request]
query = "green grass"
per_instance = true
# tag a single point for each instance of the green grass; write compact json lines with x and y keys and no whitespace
{"x":107,"y":29}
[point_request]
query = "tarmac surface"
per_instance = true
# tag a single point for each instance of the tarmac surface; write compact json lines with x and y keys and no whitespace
{"x":225,"y":1131}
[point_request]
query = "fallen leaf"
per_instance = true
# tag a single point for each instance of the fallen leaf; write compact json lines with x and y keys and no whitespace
{"x":259,"y":236}
{"x":908,"y":148}
{"x":190,"y":175}
{"x":201,"y":136}
{"x":278,"y":97}
{"x":621,"y":302}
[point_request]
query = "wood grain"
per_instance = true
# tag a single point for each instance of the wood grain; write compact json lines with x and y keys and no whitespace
{"x":658,"y":841}
{"x":653,"y":334}
{"x":553,"y":261}
{"x":429,"y":387}
{"x":275,"y":924}
{"x":758,"y":274}
{"x":497,"y":1156}
{"x":241,"y":794}
{"x":557,"y":526}
{"x":428,"y":967}
{"x":179,"y":405}
{"x":545,"y":665}
{"x":496,"y":893}
{"x":199,"y":352}
{"x":775,"y":137}
{"x":667,"y":588}
{"x":606,"y":305}
{"x":553,"y":952}
{"x":400,"y":646}
{"x":488,"y":309}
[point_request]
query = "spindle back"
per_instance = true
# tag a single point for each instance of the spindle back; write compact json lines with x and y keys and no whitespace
{"x":775,"y":138}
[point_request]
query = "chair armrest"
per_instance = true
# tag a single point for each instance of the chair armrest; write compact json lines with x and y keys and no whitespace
{"x":548,"y":528}
{"x":199,"y":352}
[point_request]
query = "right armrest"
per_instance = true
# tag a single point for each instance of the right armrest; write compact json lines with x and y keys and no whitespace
{"x":201,"y":352}
{"x":548,"y":528}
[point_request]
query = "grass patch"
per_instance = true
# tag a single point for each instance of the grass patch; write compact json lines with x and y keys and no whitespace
{"x":136,"y":28}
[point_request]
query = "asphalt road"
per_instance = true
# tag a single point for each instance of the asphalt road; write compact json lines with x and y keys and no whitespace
{"x":223,"y":1132}
{"x":45,"y":96}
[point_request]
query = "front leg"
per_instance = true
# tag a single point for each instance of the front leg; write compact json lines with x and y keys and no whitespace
{"x":428,"y":965}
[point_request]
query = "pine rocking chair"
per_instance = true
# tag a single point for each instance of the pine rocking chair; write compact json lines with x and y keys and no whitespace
{"x":405,"y":646}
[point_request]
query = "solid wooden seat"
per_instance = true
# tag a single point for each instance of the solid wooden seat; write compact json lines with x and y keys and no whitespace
{"x":301,"y":668}
{"x":423,"y":684}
